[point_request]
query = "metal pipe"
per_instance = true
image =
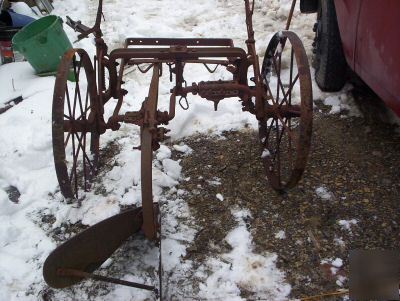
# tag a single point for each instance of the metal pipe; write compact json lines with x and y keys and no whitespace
{"x":289,"y":20}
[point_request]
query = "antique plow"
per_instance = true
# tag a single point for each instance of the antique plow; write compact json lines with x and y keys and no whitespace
{"x":285,"y":123}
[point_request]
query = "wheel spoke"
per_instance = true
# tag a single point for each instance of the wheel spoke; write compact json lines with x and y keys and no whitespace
{"x":77,"y":96}
{"x":74,"y":175}
{"x":278,"y":152}
{"x":75,"y":155}
{"x":83,"y":116}
{"x":269,"y":130}
{"x":67,"y":139}
{"x":274,"y":101}
{"x":80,"y":101}
{"x":86,"y":102}
{"x":290,"y":145}
{"x":278,"y":75}
{"x":85,"y":183}
{"x":279,"y":87}
{"x":84,"y":153}
{"x":68,"y":101}
{"x":291,"y":76}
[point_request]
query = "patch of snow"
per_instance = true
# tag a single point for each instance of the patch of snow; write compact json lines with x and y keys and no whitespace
{"x":214,"y":182}
{"x":347,"y":224}
{"x":242,"y":268}
{"x":324,"y":193}
{"x":280,"y":234}
{"x":185,"y":149}
{"x":339,"y":102}
{"x":163,"y":153}
{"x":219,"y":197}
{"x":172,"y":168}
{"x":23,"y":9}
{"x":339,"y":241}
{"x":334,"y":102}
{"x":106,"y":263}
{"x":340,"y":280}
{"x":334,"y":264}
{"x":265,"y":154}
{"x":337,"y":262}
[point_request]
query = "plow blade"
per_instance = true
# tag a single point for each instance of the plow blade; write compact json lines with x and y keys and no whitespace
{"x":89,"y":249}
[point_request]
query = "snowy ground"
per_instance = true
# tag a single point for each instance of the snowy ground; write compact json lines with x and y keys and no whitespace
{"x":26,"y":162}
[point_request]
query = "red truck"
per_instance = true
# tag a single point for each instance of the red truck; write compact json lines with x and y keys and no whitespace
{"x":363,"y":36}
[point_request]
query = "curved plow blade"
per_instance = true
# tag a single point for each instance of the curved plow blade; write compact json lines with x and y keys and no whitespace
{"x":89,"y":249}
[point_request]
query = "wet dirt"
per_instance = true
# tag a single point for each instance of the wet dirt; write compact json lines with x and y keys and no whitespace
{"x":348,"y":199}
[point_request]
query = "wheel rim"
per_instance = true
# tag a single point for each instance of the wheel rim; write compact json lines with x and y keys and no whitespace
{"x":285,"y":133}
{"x":75,"y":135}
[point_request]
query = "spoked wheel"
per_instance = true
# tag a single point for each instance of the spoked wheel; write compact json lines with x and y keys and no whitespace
{"x":75,"y":124}
{"x":285,"y":133}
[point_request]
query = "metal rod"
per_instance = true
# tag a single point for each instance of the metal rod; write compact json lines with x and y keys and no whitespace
{"x":81,"y":274}
{"x":289,"y":20}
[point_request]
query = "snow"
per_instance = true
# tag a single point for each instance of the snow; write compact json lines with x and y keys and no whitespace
{"x":23,"y":9}
{"x":163,"y":153}
{"x":347,"y":224}
{"x":339,"y":241}
{"x":26,"y":161}
{"x":340,"y":280}
{"x":183,"y":148}
{"x":266,"y":153}
{"x":172,"y":168}
{"x":323,"y":193}
{"x":219,"y":197}
{"x":341,"y":102}
{"x":214,"y":182}
{"x":338,"y":262}
{"x":241,"y":268}
{"x":335,"y":265}
{"x":280,"y":234}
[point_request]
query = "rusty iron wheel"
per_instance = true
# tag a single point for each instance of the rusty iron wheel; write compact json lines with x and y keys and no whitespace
{"x":75,"y":124}
{"x":285,"y":133}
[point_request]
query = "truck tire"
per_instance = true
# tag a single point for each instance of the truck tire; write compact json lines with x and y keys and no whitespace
{"x":329,"y":62}
{"x":308,"y":6}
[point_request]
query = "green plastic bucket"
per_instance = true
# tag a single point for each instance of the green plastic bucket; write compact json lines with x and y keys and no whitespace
{"x":43,"y":43}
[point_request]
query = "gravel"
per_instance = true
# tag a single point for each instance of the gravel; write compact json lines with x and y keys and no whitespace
{"x":348,"y":199}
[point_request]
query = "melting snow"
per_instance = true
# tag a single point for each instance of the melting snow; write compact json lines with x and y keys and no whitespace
{"x":183,"y":149}
{"x":323,"y":193}
{"x":280,"y":234}
{"x":241,"y":268}
{"x":347,"y":224}
{"x":265,"y":154}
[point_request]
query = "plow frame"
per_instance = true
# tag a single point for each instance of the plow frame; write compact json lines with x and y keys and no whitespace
{"x":175,"y":53}
{"x":62,"y":269}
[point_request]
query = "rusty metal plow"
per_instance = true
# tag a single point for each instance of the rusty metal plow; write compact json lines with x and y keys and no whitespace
{"x":82,"y":89}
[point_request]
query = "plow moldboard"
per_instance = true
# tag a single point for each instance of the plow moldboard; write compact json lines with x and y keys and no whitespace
{"x":89,"y":249}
